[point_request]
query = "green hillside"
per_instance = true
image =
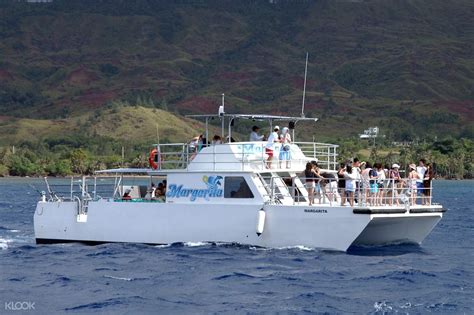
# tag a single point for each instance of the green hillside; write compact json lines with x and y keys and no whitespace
{"x":131,"y":124}
{"x":404,"y":65}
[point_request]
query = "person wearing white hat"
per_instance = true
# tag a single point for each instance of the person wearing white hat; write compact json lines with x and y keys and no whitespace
{"x":269,"y":147}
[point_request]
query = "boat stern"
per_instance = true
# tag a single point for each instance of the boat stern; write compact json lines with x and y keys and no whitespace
{"x":397,"y":225}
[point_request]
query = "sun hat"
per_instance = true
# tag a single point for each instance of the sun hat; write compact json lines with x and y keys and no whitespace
{"x":412,"y":166}
{"x":276,"y":128}
{"x":395,"y":165}
{"x":284,"y":130}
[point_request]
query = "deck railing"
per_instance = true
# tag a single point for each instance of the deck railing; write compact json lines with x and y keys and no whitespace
{"x":279,"y":190}
{"x":383,"y":193}
{"x":243,"y":155}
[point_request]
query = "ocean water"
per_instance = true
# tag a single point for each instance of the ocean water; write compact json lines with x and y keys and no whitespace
{"x":437,"y":277}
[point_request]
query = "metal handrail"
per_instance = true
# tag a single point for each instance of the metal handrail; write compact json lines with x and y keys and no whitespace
{"x":392,"y":194}
{"x":180,"y":155}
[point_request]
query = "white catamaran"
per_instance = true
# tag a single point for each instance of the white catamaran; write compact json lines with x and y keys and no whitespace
{"x":226,"y":193}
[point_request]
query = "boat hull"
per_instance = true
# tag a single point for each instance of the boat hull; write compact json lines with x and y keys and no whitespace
{"x":326,"y":227}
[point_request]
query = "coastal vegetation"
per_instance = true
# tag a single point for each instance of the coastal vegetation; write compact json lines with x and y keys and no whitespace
{"x":100,"y":148}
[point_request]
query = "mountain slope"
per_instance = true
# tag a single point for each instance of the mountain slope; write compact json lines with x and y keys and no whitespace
{"x":406,"y":65}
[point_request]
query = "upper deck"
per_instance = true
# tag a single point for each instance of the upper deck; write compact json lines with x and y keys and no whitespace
{"x":244,"y":156}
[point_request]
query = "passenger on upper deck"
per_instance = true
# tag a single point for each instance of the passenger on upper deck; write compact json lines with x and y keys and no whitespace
{"x":269,"y":147}
{"x":285,"y":140}
{"x":195,"y":146}
{"x":254,"y":136}
{"x":216,"y":140}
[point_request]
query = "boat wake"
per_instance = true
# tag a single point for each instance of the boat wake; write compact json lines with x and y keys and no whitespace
{"x":4,"y":243}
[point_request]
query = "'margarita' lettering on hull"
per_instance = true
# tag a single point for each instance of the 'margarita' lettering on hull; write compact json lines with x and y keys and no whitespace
{"x":213,"y":190}
{"x":316,"y":210}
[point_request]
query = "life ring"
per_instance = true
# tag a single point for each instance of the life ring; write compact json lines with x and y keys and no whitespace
{"x":154,"y":162}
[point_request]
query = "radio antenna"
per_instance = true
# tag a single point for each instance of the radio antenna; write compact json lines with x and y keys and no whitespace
{"x":304,"y":85}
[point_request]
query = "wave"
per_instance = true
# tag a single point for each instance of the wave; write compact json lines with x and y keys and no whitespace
{"x":196,"y":244}
{"x":236,"y":275}
{"x":98,"y":305}
{"x":409,"y":275}
{"x":4,"y":243}
{"x":298,"y":247}
{"x":119,"y":278}
{"x":384,"y":307}
{"x":163,"y":246}
{"x":4,"y":228}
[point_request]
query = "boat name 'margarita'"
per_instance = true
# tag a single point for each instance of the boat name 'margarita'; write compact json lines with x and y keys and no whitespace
{"x":213,"y":189}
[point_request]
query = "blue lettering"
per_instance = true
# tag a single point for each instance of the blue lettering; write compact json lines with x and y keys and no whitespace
{"x":194,"y":194}
{"x":212,"y":191}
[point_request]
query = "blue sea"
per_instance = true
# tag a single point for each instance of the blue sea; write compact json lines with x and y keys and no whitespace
{"x":200,"y":278}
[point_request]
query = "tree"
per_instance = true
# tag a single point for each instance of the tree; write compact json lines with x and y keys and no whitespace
{"x":79,"y":160}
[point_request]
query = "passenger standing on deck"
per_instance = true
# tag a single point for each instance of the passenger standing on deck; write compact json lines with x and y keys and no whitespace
{"x":310,"y":176}
{"x":413,"y":178}
{"x":429,"y":174}
{"x":373,"y":187}
{"x":365,"y":168}
{"x":420,"y":169}
{"x":285,"y":140}
{"x":269,"y":147}
{"x":317,"y":180}
{"x":356,"y":165}
{"x":380,"y":197}
{"x":393,"y":184}
{"x":254,"y":136}
{"x":341,"y":182}
{"x":351,"y":175}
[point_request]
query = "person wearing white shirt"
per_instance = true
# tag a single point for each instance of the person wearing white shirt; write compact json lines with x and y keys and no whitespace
{"x":421,"y":170}
{"x":269,"y":147}
{"x":254,"y":136}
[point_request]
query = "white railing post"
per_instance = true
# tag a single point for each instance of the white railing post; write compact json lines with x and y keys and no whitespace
{"x":431,"y":192}
{"x":242,"y":165}
{"x":95,"y":187}
{"x":327,"y":160}
{"x":72,"y":185}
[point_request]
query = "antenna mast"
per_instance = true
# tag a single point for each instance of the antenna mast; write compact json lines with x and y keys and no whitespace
{"x":222,"y":116}
{"x":304,"y":85}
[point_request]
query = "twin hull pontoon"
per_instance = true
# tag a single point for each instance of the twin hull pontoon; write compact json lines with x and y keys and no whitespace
{"x":228,"y":193}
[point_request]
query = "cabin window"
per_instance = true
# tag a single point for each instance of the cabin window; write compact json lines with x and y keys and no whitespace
{"x":236,"y":187}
